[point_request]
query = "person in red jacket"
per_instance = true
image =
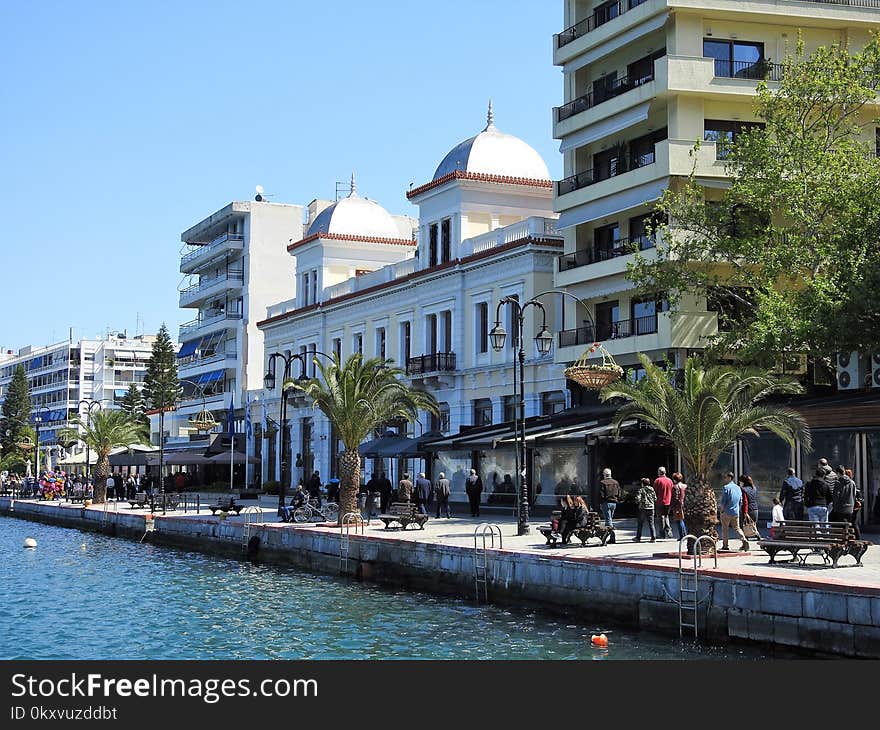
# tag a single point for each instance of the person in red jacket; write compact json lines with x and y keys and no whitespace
{"x":663,"y":487}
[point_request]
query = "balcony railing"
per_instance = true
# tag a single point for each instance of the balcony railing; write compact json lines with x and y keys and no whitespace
{"x":208,"y":247}
{"x":433,"y":363}
{"x":622,"y":247}
{"x":211,"y":318}
{"x":591,"y":177}
{"x":852,"y":3}
{"x":754,"y":71}
{"x":596,"y":97}
{"x":197,"y":361}
{"x":587,"y":335}
{"x":599,"y":17}
{"x":204,"y":283}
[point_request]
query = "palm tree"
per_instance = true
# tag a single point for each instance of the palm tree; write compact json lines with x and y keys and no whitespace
{"x":704,"y":417}
{"x":105,"y":431}
{"x":358,"y":397}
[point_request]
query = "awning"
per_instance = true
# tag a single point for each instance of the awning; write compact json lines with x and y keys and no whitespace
{"x":188,"y":348}
{"x":210,"y":377}
{"x":385,"y":446}
{"x":237,"y":458}
{"x":179,"y":458}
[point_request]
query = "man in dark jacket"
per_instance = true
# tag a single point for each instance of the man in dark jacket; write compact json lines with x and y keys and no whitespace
{"x":314,"y":487}
{"x":792,"y":496}
{"x":843,"y":500}
{"x":473,"y":487}
{"x":424,"y":493}
{"x":609,"y":496}
{"x":817,"y":496}
{"x":441,"y":492}
{"x":384,"y":492}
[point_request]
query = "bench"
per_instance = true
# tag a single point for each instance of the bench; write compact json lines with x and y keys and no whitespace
{"x":225,"y":504}
{"x":595,"y":527}
{"x":140,"y":499}
{"x":831,"y":540}
{"x":78,"y":494}
{"x":403,"y":513}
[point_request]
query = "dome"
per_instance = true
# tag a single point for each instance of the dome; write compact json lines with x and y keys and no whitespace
{"x":494,"y":153}
{"x":355,"y":216}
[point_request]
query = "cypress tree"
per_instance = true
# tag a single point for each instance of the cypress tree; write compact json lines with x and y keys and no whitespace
{"x":162,"y":390}
{"x":133,"y":404}
{"x":16,"y":413}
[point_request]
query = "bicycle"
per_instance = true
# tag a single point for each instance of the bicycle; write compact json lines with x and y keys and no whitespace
{"x":311,"y":512}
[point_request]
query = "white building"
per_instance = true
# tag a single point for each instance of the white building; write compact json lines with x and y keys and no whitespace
{"x":485,"y":231}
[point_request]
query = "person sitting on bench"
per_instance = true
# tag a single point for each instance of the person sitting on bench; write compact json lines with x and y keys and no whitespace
{"x":298,"y":500}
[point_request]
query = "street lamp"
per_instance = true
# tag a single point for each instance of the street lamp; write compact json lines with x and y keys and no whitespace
{"x":269,"y":380}
{"x":37,"y":421}
{"x":89,"y":405}
{"x":544,"y":343}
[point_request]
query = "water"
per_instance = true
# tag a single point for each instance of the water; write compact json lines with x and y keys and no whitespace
{"x":81,"y":595}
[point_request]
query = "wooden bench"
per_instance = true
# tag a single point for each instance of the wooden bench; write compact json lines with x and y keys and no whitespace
{"x":140,"y":499}
{"x":595,"y":527}
{"x":403,"y":513}
{"x":78,"y":494}
{"x":831,"y":540}
{"x":225,"y":504}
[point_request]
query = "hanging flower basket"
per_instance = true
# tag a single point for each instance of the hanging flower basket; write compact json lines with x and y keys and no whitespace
{"x":594,"y":376}
{"x":203,"y":421}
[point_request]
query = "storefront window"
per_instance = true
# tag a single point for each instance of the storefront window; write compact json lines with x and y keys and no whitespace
{"x":560,"y":470}
{"x":456,"y":465}
{"x":838,"y":446}
{"x":872,"y":468}
{"x":766,"y":459}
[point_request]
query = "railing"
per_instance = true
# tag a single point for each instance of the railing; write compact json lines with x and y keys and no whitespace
{"x":852,"y":3}
{"x":532,"y":227}
{"x":194,"y":362}
{"x":215,"y":244}
{"x":754,"y":71}
{"x":622,"y":247}
{"x":587,"y":335}
{"x":591,"y":177}
{"x":195,"y":324}
{"x":599,"y":17}
{"x":365,"y":281}
{"x":433,"y":363}
{"x":204,"y":283}
{"x":593,"y":98}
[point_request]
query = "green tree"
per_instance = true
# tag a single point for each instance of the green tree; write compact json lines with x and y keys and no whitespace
{"x":162,"y":390}
{"x":105,"y":431}
{"x":133,"y":404}
{"x":790,"y":249}
{"x":15,"y":426}
{"x":713,"y":407}
{"x":358,"y":397}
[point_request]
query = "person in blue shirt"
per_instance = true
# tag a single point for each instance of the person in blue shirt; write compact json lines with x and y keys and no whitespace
{"x":731,"y":503}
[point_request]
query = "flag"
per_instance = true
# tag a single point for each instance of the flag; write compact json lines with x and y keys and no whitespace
{"x":248,"y":426}
{"x":230,"y":416}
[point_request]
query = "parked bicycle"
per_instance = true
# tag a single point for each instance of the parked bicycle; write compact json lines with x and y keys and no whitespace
{"x":312,"y":512}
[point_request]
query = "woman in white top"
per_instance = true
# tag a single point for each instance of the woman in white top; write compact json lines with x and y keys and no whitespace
{"x":776,"y":516}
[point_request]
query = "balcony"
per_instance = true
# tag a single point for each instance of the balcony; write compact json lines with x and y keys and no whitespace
{"x":437,"y":362}
{"x":587,"y":335}
{"x":758,"y":71}
{"x":210,"y":318}
{"x":593,"y":98}
{"x":599,"y":17}
{"x":193,"y":363}
{"x":591,"y":177}
{"x":201,"y":254}
{"x":210,"y":286}
{"x":621,"y":247}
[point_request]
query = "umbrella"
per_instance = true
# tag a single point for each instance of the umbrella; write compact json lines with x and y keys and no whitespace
{"x":237,"y":458}
{"x":178,"y":458}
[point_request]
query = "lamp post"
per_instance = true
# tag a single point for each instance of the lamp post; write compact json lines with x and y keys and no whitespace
{"x":89,"y":405}
{"x":37,"y":421}
{"x":544,"y":342}
{"x":269,"y":380}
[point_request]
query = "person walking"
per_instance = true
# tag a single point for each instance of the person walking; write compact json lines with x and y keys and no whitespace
{"x":730,"y":505}
{"x":817,"y":497}
{"x":792,"y":496}
{"x":646,"y":498}
{"x":314,"y":487}
{"x":843,"y":501}
{"x":424,"y":493}
{"x":441,"y":490}
{"x":473,"y":487}
{"x":750,"y":501}
{"x":663,"y":488}
{"x":777,"y":516}
{"x":405,"y":489}
{"x":676,"y":506}
{"x":384,"y":492}
{"x":609,"y":496}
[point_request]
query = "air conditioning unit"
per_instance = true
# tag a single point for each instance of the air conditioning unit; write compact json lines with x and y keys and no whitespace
{"x":874,"y":369}
{"x":849,"y":371}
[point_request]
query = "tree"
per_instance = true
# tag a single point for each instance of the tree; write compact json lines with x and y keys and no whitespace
{"x":133,"y":404}
{"x":791,"y":248}
{"x":358,"y":397}
{"x":105,"y":431}
{"x":162,"y":390}
{"x":15,"y":426}
{"x":704,"y":417}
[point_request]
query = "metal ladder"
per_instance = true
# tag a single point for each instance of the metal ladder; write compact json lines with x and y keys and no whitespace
{"x":250,"y":515}
{"x":349,"y":520}
{"x":106,"y":514}
{"x":688,"y":584}
{"x":481,"y":558}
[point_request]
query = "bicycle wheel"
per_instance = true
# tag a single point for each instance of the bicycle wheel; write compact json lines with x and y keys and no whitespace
{"x":302,"y":514}
{"x":332,"y":510}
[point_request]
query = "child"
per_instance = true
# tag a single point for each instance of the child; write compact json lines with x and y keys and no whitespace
{"x":777,"y":516}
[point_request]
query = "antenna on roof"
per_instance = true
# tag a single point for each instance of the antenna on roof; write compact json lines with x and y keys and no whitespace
{"x":490,"y":117}
{"x":353,"y":185}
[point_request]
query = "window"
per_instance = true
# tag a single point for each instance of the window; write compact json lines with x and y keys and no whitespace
{"x":482,"y":327}
{"x":513,"y":323}
{"x":405,"y":333}
{"x":380,"y":342}
{"x":607,"y":319}
{"x":509,"y":404}
{"x":643,"y":228}
{"x":357,"y":343}
{"x":644,"y":315}
{"x":552,"y":402}
{"x":310,"y":366}
{"x":603,"y":87}
{"x":736,"y":59}
{"x":732,"y":304}
{"x":445,"y":240}
{"x":725,"y":133}
{"x":314,"y":286}
{"x":306,"y":288}
{"x":337,"y":347}
{"x":440,"y":421}
{"x":482,"y":412}
{"x":446,"y":321}
{"x":431,"y":333}
{"x":432,"y":245}
{"x":605,"y":240}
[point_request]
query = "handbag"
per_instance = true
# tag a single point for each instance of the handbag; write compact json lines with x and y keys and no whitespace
{"x":749,"y":528}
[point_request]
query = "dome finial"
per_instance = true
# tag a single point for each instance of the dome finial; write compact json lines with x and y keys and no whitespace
{"x":490,"y":117}
{"x":353,"y":186}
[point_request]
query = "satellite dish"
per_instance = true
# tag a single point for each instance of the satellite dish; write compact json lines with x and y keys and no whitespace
{"x":259,"y":196}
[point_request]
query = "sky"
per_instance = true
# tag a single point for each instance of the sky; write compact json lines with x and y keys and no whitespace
{"x":123,"y":124}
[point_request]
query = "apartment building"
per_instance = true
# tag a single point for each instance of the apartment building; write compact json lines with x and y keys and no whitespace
{"x":643,"y":81}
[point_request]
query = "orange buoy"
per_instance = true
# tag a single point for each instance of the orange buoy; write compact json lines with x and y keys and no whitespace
{"x":600,"y":640}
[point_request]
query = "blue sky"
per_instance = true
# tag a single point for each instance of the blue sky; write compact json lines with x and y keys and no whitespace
{"x":124,"y":124}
